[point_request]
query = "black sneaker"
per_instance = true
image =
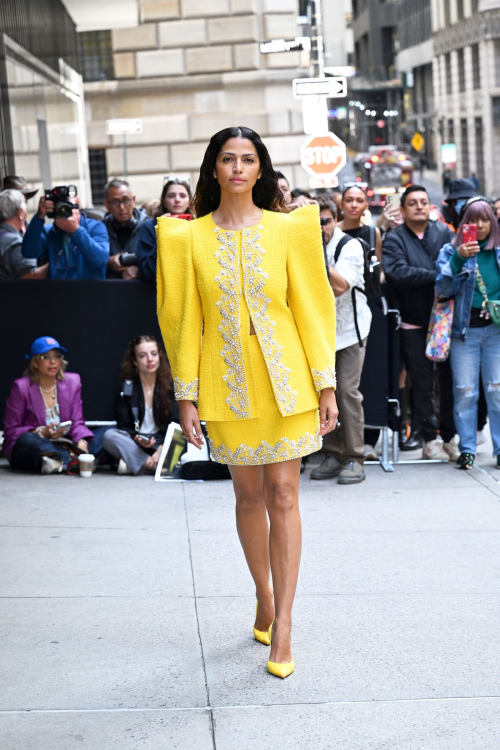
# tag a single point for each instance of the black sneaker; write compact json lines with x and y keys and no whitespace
{"x":498,"y":461}
{"x":465,"y":461}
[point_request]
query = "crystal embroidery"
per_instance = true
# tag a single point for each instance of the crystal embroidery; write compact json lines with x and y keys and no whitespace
{"x":254,"y":282}
{"x":186,"y":391}
{"x":229,"y":308}
{"x":284,"y":450}
{"x":324,"y":378}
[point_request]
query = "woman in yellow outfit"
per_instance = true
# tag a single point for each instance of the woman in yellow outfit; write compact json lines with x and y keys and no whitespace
{"x":248,"y":319}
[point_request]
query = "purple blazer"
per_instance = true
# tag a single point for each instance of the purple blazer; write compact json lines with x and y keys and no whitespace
{"x":25,"y":410}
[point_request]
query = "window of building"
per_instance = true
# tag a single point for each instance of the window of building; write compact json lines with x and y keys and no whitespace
{"x":460,"y":9}
{"x":98,"y":173}
{"x":478,"y":132}
{"x":96,"y":55}
{"x":447,"y":15}
{"x":447,"y":65}
{"x":476,"y":73}
{"x":497,"y":61}
{"x":451,"y":131}
{"x":461,"y":70}
{"x":464,"y":139}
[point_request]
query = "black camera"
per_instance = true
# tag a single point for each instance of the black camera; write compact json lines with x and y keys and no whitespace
{"x":128,"y":259}
{"x":61,"y":196}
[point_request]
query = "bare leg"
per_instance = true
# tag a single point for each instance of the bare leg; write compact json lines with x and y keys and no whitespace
{"x":281,"y":495}
{"x":253,"y":531}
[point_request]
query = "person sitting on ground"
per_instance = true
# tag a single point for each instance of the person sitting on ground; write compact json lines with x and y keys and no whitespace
{"x":175,"y":202}
{"x":145,"y":407}
{"x":123,"y":222}
{"x":284,"y":186}
{"x":13,"y":264}
{"x":470,"y":273}
{"x":39,"y":402}
{"x":344,"y":447}
{"x":77,"y":247}
{"x":410,"y":252}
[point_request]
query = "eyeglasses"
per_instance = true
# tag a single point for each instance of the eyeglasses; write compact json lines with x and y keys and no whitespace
{"x":48,"y":357}
{"x":123,"y":202}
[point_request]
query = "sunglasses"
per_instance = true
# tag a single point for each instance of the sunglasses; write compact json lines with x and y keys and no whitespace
{"x":48,"y":357}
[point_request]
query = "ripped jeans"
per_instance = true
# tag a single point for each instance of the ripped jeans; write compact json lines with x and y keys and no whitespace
{"x":479,"y":352}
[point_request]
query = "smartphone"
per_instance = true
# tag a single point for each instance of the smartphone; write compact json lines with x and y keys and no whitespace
{"x":392,"y":201}
{"x":146,"y":438}
{"x":64,"y":426}
{"x":187,"y":217}
{"x":469,"y":233}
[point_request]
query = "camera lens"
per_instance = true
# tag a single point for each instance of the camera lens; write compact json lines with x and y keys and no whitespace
{"x":64,"y":210}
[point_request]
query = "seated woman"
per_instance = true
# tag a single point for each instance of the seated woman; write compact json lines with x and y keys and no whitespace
{"x":469,"y":271}
{"x":145,"y":407}
{"x":38,"y":403}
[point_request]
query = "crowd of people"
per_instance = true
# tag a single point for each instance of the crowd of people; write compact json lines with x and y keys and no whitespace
{"x":416,"y":254}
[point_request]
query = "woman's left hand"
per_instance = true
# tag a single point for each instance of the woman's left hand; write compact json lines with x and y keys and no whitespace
{"x":328,"y":412}
{"x":83,"y":445}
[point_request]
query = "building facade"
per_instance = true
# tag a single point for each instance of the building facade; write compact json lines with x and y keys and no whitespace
{"x":188,"y":69}
{"x":466,"y":68}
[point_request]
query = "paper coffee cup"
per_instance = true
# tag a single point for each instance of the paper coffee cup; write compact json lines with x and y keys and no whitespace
{"x":87,"y":464}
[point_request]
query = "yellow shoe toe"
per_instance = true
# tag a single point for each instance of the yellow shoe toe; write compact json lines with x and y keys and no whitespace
{"x":280,"y":670}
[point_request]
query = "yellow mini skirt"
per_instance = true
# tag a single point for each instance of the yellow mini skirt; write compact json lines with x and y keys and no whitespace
{"x":270,"y":438}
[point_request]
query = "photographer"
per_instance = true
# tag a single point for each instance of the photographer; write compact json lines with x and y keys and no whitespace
{"x":123,"y":222}
{"x":13,"y":214}
{"x":77,"y":247}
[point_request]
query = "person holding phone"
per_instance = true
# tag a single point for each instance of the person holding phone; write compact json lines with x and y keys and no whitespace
{"x":145,"y":407}
{"x":44,"y":405}
{"x":469,"y":271}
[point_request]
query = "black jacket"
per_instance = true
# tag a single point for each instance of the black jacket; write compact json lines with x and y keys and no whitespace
{"x":410,"y":268}
{"x":138,"y":219}
{"x":146,"y":251}
{"x":125,"y":406}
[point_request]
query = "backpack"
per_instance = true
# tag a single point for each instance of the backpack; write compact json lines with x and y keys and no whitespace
{"x":371,"y":272}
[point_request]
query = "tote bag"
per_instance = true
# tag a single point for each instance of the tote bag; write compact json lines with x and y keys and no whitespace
{"x":439,"y":332}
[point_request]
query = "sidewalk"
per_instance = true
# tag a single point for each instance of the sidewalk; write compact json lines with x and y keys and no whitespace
{"x":127,"y":616}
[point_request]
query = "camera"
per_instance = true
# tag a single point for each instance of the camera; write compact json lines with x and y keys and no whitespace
{"x":128,"y":259}
{"x":61,"y":196}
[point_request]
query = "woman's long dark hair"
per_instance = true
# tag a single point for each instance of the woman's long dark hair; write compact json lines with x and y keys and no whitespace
{"x":161,"y":208}
{"x":164,"y":387}
{"x":266,"y":193}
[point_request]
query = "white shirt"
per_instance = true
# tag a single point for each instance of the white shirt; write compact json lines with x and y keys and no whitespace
{"x":148,"y":425}
{"x":350,"y":267}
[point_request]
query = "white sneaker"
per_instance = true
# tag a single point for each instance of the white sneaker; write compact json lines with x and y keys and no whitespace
{"x":451,"y":449}
{"x":51,"y":465}
{"x":480,"y":438}
{"x":434,"y":450}
{"x":370,"y":453}
{"x":123,"y":468}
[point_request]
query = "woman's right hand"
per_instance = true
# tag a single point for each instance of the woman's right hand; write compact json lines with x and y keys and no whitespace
{"x":50,"y":432}
{"x":468,"y":249}
{"x":190,"y":423}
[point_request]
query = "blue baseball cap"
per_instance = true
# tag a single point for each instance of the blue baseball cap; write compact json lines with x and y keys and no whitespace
{"x":44,"y":344}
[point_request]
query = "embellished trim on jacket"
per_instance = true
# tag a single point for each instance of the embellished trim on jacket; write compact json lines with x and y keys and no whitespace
{"x":186,"y":391}
{"x":324,"y":378}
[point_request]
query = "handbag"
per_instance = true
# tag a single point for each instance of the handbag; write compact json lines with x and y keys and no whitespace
{"x":439,"y":332}
{"x":490,"y":307}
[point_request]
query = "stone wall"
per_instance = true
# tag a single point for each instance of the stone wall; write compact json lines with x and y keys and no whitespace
{"x":190,"y":69}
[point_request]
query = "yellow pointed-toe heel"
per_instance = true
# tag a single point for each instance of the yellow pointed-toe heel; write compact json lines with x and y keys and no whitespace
{"x":263,"y":636}
{"x":277,"y":668}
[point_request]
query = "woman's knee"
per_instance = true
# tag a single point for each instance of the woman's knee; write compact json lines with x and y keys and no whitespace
{"x":249,"y":500}
{"x":281,"y":496}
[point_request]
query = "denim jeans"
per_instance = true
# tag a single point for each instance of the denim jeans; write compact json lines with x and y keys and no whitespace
{"x":29,"y":448}
{"x":480,"y":352}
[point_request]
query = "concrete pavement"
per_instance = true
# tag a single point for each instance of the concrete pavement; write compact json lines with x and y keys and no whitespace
{"x":127,"y":614}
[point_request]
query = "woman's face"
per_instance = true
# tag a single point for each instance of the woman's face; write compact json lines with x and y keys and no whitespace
{"x":354,"y":204}
{"x":49,"y":364}
{"x":176,"y":200}
{"x":237,"y":167}
{"x":497,"y":208}
{"x":483,"y":227}
{"x":285,"y":189}
{"x":147,"y":357}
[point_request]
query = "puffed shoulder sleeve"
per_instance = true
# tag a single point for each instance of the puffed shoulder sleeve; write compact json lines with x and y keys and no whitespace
{"x":179,"y":305}
{"x":310,"y":295}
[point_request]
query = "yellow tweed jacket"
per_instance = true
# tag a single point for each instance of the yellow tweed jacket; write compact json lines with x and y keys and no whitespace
{"x":204,"y":321}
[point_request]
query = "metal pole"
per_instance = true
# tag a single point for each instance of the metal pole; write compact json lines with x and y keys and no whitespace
{"x":317,"y":60}
{"x":124,"y":155}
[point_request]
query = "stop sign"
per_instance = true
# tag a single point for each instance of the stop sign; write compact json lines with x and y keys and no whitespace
{"x":323,"y":155}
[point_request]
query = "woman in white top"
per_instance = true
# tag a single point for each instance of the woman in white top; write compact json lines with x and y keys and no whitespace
{"x":145,"y":407}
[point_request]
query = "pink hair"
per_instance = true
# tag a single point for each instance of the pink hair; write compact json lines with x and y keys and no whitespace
{"x":480,"y":210}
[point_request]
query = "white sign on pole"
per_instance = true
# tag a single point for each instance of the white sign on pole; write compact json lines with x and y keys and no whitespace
{"x":314,"y":114}
{"x":299,"y":44}
{"x":331,"y":87}
{"x":123,"y":127}
{"x":448,"y":153}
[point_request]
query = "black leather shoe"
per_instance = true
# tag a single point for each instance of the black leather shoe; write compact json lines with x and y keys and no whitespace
{"x":413,"y":443}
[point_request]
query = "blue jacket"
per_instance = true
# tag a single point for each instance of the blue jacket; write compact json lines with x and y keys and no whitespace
{"x":146,"y":251}
{"x":87,"y":253}
{"x":460,"y":286}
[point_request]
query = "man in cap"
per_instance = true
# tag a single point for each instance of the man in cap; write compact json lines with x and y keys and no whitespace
{"x":16,"y":182}
{"x":13,"y":265}
{"x":460,"y":192}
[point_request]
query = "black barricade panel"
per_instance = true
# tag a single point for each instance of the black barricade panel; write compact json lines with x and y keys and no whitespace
{"x":94,"y":320}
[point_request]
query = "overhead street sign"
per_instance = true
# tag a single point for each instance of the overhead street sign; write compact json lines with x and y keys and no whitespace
{"x":323,"y":155}
{"x":299,"y":44}
{"x":331,"y":87}
{"x":123,"y":127}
